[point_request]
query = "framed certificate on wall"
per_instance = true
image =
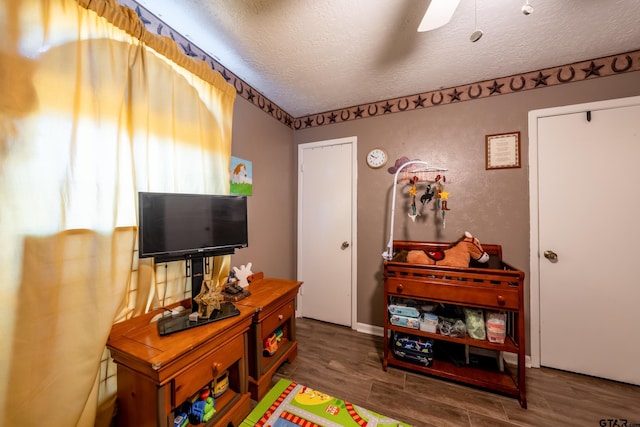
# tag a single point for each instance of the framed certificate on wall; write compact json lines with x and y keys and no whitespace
{"x":503,"y":150}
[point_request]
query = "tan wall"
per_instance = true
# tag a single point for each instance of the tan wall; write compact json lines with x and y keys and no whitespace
{"x":493,"y":205}
{"x":268,"y":144}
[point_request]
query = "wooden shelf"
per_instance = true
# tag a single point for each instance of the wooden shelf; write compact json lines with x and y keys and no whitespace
{"x":508,"y":346}
{"x":284,"y":347}
{"x":227,"y":401}
{"x":481,"y":377}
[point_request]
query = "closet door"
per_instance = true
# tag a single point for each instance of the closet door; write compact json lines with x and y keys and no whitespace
{"x":326,"y":230}
{"x":588,"y":207}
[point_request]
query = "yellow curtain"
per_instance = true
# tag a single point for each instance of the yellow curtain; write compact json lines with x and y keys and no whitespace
{"x":93,"y":109}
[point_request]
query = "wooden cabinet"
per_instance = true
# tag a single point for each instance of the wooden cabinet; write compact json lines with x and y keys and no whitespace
{"x":156,"y":374}
{"x":497,"y":287}
{"x":273,"y":301}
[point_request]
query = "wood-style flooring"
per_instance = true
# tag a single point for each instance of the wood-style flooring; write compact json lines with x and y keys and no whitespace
{"x":348,"y":365}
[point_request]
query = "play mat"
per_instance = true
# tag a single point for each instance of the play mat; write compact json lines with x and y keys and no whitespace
{"x":289,"y":404}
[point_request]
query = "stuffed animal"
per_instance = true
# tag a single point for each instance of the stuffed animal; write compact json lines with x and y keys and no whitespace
{"x":459,"y":254}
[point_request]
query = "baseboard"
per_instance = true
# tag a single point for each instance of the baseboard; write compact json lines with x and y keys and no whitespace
{"x":510,"y":358}
{"x":370,"y":329}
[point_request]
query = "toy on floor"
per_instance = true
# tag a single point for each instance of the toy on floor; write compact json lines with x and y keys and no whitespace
{"x":292,"y":404}
{"x":459,"y":254}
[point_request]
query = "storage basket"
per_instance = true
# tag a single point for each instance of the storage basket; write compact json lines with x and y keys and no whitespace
{"x":413,"y":348}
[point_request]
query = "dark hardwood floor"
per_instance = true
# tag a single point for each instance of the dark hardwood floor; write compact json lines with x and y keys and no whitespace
{"x":348,"y":365}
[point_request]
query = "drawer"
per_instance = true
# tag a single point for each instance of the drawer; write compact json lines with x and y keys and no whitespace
{"x":279,"y":316}
{"x":206,"y":369}
{"x":476,"y":295}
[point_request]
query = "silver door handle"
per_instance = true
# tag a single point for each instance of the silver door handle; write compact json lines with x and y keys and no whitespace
{"x":344,"y":245}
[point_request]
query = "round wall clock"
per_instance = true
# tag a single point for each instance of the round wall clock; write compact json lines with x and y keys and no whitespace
{"x":377,"y":158}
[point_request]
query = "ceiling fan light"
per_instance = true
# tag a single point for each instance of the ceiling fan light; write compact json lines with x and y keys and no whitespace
{"x":438,"y":14}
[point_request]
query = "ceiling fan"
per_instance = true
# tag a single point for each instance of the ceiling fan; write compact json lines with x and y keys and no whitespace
{"x":439,"y":13}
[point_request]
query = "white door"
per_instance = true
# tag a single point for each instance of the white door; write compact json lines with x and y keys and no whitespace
{"x":326,"y":230}
{"x":588,"y":216}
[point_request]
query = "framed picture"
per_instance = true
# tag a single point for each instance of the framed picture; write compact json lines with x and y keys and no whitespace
{"x":503,"y":150}
{"x":241,"y":177}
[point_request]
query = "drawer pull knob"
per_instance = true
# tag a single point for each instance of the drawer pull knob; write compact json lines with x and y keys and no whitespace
{"x":399,"y":288}
{"x":280,"y":317}
{"x":216,"y":368}
{"x":501,"y":300}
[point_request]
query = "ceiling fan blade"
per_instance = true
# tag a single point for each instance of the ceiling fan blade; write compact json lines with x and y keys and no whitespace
{"x":438,"y":14}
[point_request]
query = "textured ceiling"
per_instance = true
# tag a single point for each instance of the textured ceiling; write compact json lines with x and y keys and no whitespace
{"x":313,"y":56}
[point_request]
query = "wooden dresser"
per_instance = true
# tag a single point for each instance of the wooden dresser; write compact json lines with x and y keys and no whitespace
{"x":273,"y":301}
{"x":156,"y":374}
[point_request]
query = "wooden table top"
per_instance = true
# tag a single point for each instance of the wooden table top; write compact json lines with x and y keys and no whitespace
{"x":138,"y":340}
{"x":137,"y":343}
{"x":266,"y":290}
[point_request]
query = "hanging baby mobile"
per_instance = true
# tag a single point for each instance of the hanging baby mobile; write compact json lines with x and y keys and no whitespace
{"x":415,"y":174}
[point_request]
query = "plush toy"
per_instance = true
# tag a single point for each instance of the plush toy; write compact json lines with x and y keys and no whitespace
{"x":459,"y":254}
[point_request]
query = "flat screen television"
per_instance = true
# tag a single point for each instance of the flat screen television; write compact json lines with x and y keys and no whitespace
{"x":173,"y":226}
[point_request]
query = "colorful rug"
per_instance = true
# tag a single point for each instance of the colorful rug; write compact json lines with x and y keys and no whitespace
{"x":289,"y":404}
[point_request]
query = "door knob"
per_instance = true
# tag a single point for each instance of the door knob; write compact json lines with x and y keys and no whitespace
{"x":551,"y":256}
{"x":345,"y":245}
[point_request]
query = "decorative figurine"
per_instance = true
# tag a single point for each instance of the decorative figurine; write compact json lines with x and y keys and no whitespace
{"x":428,"y":195}
{"x":413,"y":191}
{"x":242,"y":273}
{"x":208,"y":299}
